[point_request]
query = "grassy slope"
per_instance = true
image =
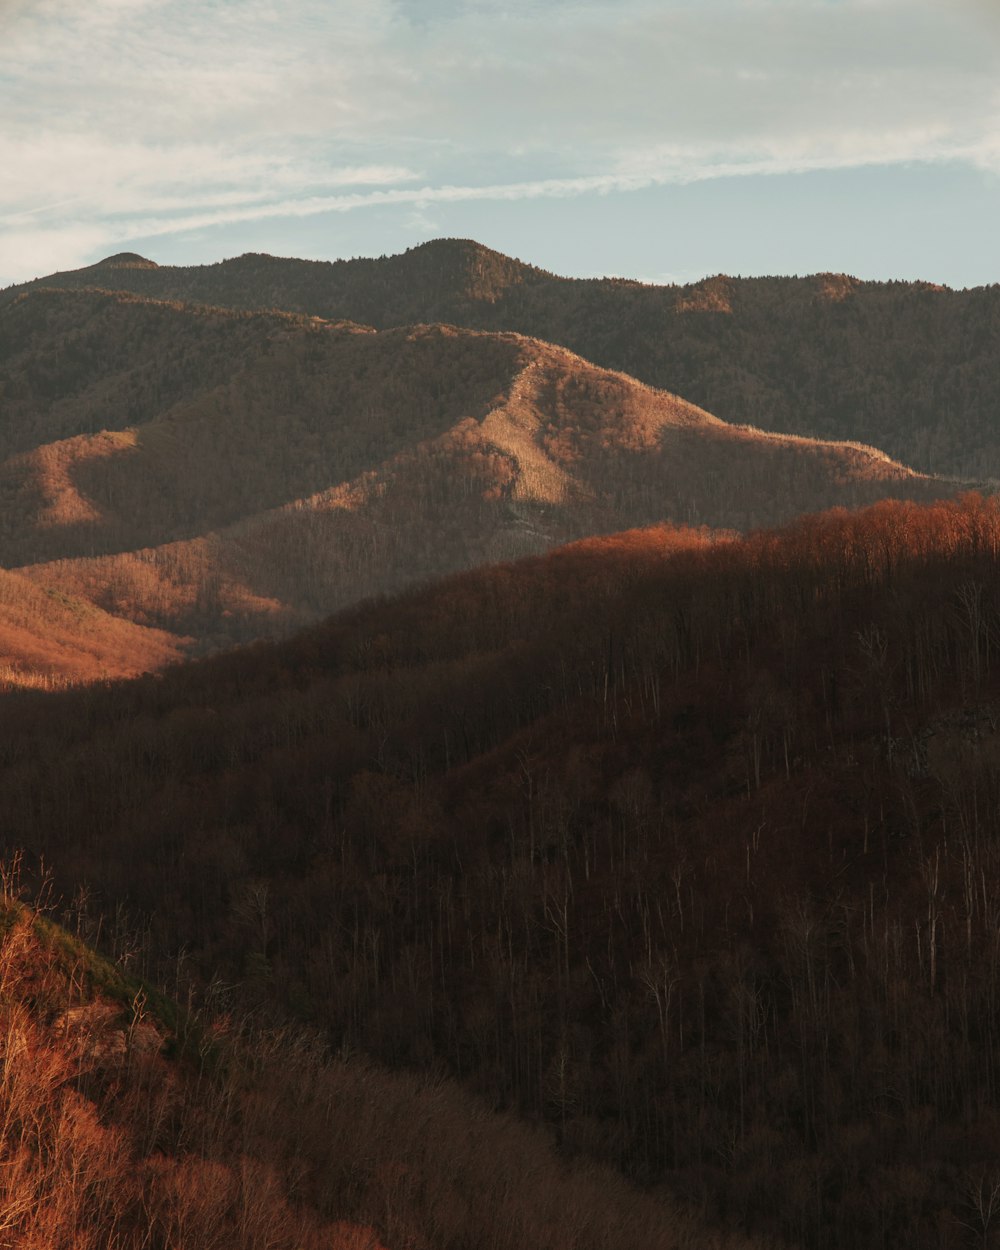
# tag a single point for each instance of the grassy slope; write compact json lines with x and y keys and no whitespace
{"x":49,"y":636}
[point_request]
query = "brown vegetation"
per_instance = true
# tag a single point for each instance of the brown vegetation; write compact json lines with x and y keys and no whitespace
{"x":253,"y":1138}
{"x":908,"y":367}
{"x":684,"y":847}
{"x":226,"y":476}
{"x":674,"y":847}
{"x":48,"y":637}
{"x":104,"y":1143}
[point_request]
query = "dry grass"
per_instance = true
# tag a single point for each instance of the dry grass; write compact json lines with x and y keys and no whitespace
{"x":94,"y":1121}
{"x":49,"y":637}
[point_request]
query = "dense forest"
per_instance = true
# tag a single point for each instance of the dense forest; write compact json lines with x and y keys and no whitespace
{"x":908,"y":367}
{"x":681,"y":846}
{"x":130,"y":1122}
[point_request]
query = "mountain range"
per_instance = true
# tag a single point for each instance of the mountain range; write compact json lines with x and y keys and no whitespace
{"x":682,"y":850}
{"x":907,"y":367}
{"x":592,"y":842}
{"x":223,"y":475}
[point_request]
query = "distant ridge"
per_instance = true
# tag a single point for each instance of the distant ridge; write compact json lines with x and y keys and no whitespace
{"x":126,"y":260}
{"x":908,"y":367}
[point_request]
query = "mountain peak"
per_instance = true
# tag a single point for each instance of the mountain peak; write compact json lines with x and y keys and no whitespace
{"x":472,"y":270}
{"x":454,"y":246}
{"x":126,"y":260}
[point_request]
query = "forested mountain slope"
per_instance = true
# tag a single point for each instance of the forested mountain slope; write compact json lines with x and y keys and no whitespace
{"x":123,"y":1124}
{"x":227,"y":475}
{"x":908,"y":367}
{"x":129,"y":1122}
{"x":687,"y":847}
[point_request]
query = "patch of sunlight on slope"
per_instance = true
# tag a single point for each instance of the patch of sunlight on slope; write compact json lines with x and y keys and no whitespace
{"x":48,"y":474}
{"x":513,"y":428}
{"x":862,"y":459}
{"x":50,"y":637}
{"x":562,"y":412}
{"x":172,"y":585}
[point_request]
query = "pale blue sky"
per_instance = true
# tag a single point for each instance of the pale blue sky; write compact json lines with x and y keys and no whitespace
{"x":662,"y":141}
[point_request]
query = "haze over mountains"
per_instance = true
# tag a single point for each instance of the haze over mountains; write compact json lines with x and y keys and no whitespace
{"x":226,"y":475}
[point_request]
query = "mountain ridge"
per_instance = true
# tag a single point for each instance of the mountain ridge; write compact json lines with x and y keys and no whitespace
{"x":907,"y":367}
{"x":679,"y":842}
{"x":218,"y":473}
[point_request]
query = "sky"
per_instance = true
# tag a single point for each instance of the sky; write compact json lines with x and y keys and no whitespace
{"x":663,"y":140}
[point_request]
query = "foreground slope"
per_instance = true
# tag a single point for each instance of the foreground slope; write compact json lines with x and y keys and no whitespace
{"x":105,"y":1141}
{"x":126,"y":1122}
{"x":908,"y":367}
{"x":230,"y":475}
{"x":687,"y":847}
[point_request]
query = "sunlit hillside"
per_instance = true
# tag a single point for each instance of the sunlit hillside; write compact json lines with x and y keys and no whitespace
{"x":48,"y":637}
{"x":906,"y":366}
{"x":232,"y":475}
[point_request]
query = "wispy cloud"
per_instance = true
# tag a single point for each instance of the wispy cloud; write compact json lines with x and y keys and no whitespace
{"x":130,"y":119}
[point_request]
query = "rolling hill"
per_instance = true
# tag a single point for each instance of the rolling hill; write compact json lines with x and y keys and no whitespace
{"x":907,"y":367}
{"x":230,"y":475}
{"x":48,"y":637}
{"x":632,"y":890}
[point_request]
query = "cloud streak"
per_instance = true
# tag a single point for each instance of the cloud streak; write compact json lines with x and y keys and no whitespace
{"x":130,"y":119}
{"x":676,"y":172}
